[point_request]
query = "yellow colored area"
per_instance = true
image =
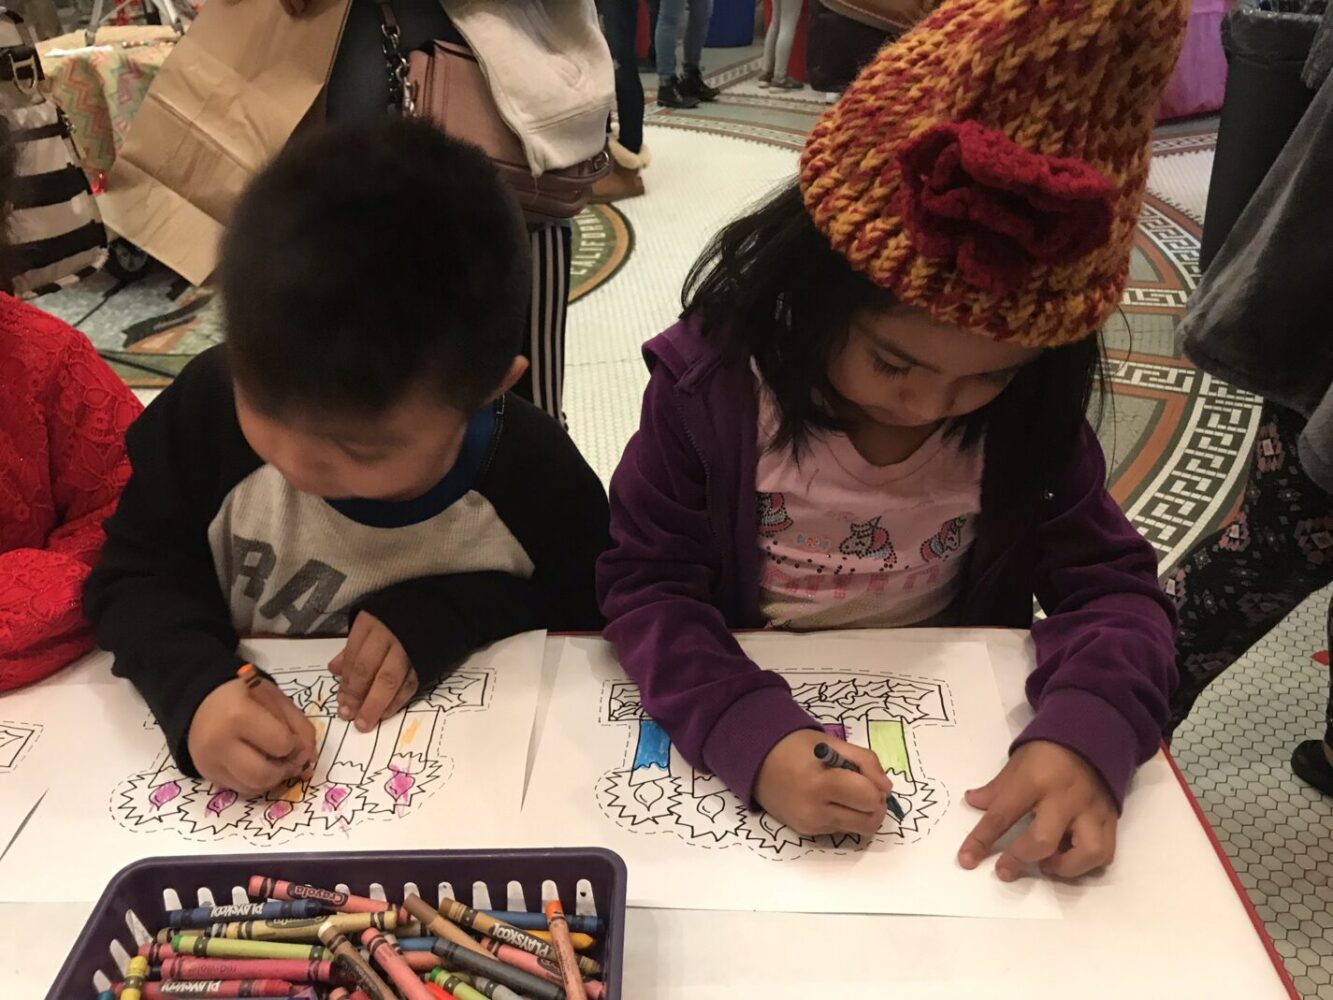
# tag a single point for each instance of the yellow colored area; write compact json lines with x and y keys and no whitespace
{"x":409,"y":734}
{"x":293,"y":792}
{"x":889,"y":743}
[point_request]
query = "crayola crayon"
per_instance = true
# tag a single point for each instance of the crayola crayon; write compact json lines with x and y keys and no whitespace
{"x":347,"y":958}
{"x":516,"y":979}
{"x":206,"y":916}
{"x":543,"y":968}
{"x":829,"y":757}
{"x":304,"y":928}
{"x":433,"y":922}
{"x":564,"y":951}
{"x":211,"y":947}
{"x":525,"y":921}
{"x":455,"y":986}
{"x":383,"y":953}
{"x":254,"y":968}
{"x":134,"y":977}
{"x":579,"y":942}
{"x":483,"y":924}
{"x":343,"y":902}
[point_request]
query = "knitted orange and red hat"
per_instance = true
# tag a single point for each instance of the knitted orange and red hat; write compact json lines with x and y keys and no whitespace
{"x":989,"y":167}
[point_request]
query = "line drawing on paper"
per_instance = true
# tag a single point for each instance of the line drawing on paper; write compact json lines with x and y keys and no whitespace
{"x":656,"y":790}
{"x":16,"y":741}
{"x":381,"y":774}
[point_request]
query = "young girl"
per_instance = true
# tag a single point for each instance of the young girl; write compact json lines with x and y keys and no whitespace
{"x":872,"y":415}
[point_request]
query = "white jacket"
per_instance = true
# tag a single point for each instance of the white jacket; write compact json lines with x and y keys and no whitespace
{"x":549,"y":69}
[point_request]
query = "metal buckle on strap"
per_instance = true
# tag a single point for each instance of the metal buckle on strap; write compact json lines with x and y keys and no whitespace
{"x":25,"y":71}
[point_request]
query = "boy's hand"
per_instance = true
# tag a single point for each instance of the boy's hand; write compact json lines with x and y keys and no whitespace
{"x":813,"y":799}
{"x":1073,"y":827}
{"x":293,"y":7}
{"x":237,"y":743}
{"x":376,"y":678}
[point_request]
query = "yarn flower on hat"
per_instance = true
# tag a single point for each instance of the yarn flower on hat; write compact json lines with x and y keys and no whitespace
{"x":975,"y":197}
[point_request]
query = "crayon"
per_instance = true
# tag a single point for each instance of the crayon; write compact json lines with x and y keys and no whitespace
{"x":525,"y":921}
{"x":155,"y":952}
{"x":339,"y":993}
{"x":347,"y":958}
{"x":483,"y":924}
{"x":206,"y":916}
{"x":434,"y":923}
{"x":421,"y":961}
{"x":564,"y":951}
{"x":490,"y":988}
{"x":221,"y":988}
{"x":107,"y":995}
{"x":269,"y":697}
{"x":829,"y":757}
{"x":304,"y":928}
{"x":516,"y":979}
{"x":459,"y":989}
{"x":438,"y":993}
{"x":343,"y":902}
{"x":579,"y":942}
{"x":255,"y":968}
{"x":211,"y":947}
{"x":134,"y":977}
{"x":543,"y":968}
{"x":390,"y":959}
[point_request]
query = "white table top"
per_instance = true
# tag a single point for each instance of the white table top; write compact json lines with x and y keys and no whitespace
{"x":1164,"y":920}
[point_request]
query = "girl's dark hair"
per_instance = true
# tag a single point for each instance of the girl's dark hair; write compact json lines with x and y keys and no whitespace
{"x":772,"y":289}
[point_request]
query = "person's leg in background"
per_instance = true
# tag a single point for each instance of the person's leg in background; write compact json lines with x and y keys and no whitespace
{"x":358,"y":90}
{"x":669,"y":17}
{"x":544,"y":382}
{"x":650,"y":64}
{"x":1313,"y":760}
{"x":692,"y":83}
{"x":1234,"y":587}
{"x":778,"y":42}
{"x":620,"y":21}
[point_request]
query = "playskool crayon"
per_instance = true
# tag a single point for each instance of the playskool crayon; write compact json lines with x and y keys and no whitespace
{"x":206,"y":916}
{"x":434,"y":923}
{"x":211,"y":947}
{"x":305,"y":928}
{"x":254,"y":968}
{"x":579,"y":942}
{"x":543,"y":968}
{"x":220,"y":988}
{"x":482,"y":924}
{"x":490,"y":988}
{"x":578,"y":923}
{"x":516,"y":979}
{"x":829,"y":757}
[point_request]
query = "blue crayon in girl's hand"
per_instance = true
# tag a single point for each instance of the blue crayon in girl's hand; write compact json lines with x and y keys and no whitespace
{"x":829,"y":757}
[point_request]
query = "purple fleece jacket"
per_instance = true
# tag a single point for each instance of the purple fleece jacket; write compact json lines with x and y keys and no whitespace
{"x":683,"y":571}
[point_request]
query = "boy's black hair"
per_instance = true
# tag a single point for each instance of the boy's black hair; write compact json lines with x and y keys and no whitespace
{"x":772,"y":288}
{"x":367,"y":260}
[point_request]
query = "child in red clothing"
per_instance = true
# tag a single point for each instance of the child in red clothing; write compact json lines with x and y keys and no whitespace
{"x":62,"y":466}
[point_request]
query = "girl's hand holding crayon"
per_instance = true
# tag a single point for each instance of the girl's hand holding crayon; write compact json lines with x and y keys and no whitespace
{"x":1074,"y":817}
{"x":249,"y":737}
{"x":813,"y":799}
{"x":376,"y":679}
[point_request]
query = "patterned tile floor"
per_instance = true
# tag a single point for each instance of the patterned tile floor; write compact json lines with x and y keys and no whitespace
{"x":1178,"y":441}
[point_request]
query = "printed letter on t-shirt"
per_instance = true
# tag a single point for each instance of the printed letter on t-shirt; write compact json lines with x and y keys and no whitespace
{"x":321,"y":581}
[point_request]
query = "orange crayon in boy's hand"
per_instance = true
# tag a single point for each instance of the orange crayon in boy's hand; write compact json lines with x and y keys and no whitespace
{"x":267,"y":695}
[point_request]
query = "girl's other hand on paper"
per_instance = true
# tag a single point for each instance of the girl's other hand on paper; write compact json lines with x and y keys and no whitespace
{"x":1073,"y":815}
{"x":376,"y":679}
{"x":237,"y":743}
{"x":813,"y":799}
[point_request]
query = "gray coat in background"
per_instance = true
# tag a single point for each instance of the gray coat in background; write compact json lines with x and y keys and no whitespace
{"x":1262,"y":318}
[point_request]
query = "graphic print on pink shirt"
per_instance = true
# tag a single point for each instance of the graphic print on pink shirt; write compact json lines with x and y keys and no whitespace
{"x":848,"y":544}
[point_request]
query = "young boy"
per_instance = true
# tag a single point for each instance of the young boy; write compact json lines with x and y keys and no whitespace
{"x":349,"y":461}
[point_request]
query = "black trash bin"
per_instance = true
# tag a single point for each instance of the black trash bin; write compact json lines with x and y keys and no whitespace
{"x":1265,"y":99}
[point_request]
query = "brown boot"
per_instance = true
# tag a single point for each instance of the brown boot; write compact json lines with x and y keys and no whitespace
{"x":623,"y":181}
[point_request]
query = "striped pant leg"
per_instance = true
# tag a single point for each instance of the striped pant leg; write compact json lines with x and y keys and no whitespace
{"x":543,"y":385}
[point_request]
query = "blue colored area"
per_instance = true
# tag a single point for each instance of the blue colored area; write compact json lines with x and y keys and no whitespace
{"x":654,"y":749}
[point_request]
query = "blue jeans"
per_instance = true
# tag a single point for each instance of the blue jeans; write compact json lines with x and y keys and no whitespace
{"x":620,"y":20}
{"x":668,"y":32}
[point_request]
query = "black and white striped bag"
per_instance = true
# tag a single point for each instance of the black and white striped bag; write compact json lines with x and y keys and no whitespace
{"x":55,"y":229}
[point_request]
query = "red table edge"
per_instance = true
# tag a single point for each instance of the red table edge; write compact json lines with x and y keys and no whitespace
{"x":1241,"y":891}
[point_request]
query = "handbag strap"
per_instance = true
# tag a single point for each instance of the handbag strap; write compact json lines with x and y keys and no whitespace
{"x":402,"y":92}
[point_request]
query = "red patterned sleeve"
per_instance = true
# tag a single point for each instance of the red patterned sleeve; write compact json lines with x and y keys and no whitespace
{"x":88,"y":408}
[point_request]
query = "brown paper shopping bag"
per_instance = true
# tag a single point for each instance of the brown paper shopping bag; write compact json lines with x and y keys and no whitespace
{"x":227,"y":100}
